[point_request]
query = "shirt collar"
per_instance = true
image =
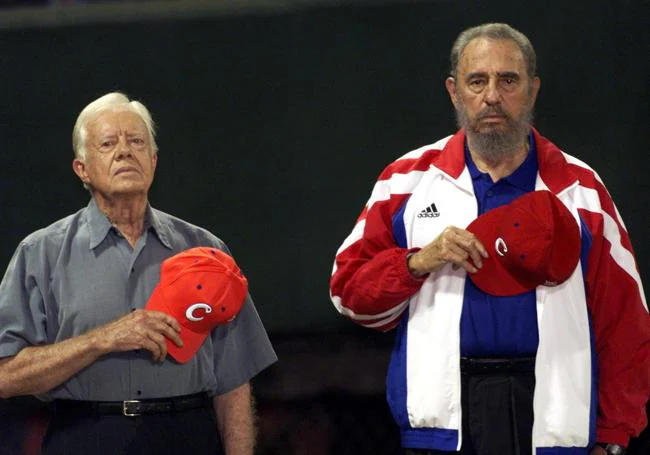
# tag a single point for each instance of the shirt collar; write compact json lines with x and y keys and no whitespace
{"x":162,"y":230}
{"x":99,"y":225}
{"x":524,"y":176}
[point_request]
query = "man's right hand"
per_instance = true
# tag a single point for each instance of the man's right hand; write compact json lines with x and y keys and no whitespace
{"x":140,"y":329}
{"x":453,"y":245}
{"x":38,"y":369}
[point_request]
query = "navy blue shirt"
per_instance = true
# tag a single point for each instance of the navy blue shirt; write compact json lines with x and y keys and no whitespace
{"x":492,"y":326}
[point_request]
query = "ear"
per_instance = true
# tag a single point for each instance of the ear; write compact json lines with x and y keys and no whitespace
{"x":450,"y":84}
{"x":154,"y":160}
{"x":79,"y":168}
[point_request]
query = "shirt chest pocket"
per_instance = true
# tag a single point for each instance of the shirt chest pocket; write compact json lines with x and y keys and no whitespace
{"x":89,"y":297}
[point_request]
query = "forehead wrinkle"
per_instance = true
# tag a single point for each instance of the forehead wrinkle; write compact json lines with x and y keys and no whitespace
{"x":483,"y":55}
{"x":117,"y":124}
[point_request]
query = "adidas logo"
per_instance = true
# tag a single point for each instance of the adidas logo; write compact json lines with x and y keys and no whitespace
{"x":429,"y":212}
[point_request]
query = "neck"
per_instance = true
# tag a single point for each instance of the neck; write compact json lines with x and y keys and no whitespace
{"x":502,"y":165}
{"x":126,"y":214}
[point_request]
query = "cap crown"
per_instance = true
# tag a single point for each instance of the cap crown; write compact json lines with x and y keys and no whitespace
{"x":202,"y":288}
{"x":533,"y":241}
{"x":524,"y":242}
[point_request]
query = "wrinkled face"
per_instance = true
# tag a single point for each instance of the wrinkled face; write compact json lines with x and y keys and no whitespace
{"x":119,"y":158}
{"x":492,"y":92}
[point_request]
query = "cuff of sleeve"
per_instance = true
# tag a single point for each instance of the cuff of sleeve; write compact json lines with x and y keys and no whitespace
{"x":612,"y":436}
{"x":411,"y":279}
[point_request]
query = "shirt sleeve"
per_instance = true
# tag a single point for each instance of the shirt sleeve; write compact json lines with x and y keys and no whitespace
{"x":241,"y":349}
{"x":370,"y":282}
{"x":22,"y":314}
{"x":621,"y":326}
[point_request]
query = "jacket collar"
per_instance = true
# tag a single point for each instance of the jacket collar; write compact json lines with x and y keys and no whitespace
{"x":554,"y":172}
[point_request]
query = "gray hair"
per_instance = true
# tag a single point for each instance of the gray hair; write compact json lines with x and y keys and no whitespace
{"x":114,"y":101}
{"x":494,"y":31}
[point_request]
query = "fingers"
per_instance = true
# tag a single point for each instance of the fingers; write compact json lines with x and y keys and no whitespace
{"x":159,"y":327}
{"x":143,"y":329}
{"x":472,"y":248}
{"x":459,"y":257}
{"x":457,"y":246}
{"x":168,"y":326}
{"x":157,"y":347}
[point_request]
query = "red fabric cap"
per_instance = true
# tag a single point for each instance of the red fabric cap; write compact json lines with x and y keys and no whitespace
{"x":202,"y":288}
{"x":532,"y":241}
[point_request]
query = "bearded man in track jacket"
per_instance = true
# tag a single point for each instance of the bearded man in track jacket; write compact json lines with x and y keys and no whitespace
{"x":558,"y":369}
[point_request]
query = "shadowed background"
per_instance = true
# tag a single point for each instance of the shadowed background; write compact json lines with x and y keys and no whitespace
{"x":274,"y":119}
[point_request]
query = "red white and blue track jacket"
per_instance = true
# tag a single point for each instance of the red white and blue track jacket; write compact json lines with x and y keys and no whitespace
{"x":593,"y":359}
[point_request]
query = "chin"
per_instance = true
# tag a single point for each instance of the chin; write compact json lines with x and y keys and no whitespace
{"x":488,"y":130}
{"x":132,"y":189}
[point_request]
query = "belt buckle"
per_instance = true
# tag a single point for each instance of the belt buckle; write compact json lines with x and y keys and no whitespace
{"x":131,"y":408}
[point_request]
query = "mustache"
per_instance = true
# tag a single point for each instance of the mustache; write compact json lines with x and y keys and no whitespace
{"x":492,"y":110}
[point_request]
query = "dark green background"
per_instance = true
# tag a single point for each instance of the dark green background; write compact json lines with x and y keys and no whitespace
{"x":274,"y":126}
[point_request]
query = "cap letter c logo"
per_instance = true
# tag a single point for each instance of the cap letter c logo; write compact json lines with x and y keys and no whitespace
{"x":501,"y":247}
{"x":189,"y":313}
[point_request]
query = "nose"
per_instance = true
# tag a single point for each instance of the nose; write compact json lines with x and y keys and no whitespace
{"x":492,"y":95}
{"x":123,"y":148}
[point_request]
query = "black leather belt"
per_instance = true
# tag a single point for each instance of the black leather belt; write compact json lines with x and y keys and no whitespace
{"x":506,"y":365}
{"x":131,"y":408}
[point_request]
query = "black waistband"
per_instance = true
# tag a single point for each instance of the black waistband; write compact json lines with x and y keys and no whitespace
{"x":505,"y":365}
{"x":131,"y":408}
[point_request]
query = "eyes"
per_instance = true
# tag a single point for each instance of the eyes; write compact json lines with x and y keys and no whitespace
{"x":110,"y":144}
{"x":505,"y":83}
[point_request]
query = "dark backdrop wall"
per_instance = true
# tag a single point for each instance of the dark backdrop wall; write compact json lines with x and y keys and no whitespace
{"x":273,"y":126}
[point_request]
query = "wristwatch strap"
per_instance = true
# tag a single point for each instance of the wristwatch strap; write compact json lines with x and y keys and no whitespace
{"x":612,"y":449}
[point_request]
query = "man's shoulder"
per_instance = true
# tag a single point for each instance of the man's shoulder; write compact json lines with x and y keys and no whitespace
{"x":445,"y":155}
{"x":53,"y":233}
{"x":424,"y":151}
{"x":556,"y":163}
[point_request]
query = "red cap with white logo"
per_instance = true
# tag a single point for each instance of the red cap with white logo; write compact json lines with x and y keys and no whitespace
{"x":202,"y":288}
{"x":532,"y":241}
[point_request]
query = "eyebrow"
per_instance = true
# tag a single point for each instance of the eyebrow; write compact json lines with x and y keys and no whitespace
{"x":511,"y":74}
{"x":114,"y":135}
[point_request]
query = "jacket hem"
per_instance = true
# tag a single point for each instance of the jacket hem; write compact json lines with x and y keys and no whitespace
{"x":430,"y":438}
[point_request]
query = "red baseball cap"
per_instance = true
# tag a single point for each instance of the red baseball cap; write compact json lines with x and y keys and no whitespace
{"x":202,"y":288}
{"x":532,"y":241}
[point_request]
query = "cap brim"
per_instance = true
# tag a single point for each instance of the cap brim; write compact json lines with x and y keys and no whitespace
{"x":493,"y":278}
{"x":192,"y":341}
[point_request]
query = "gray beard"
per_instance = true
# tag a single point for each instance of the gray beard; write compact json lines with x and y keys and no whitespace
{"x":495,"y":145}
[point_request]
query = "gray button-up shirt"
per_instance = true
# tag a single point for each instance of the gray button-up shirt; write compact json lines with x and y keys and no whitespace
{"x":80,"y":272}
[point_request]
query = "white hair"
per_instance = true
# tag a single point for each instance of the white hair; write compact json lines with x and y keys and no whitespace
{"x":114,"y":101}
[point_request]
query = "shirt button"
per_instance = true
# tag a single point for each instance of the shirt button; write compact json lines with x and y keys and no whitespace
{"x":132,"y":270}
{"x":489,"y":193}
{"x":139,"y":392}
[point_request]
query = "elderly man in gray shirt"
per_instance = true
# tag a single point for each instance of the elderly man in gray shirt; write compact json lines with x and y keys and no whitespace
{"x":73,"y":328}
